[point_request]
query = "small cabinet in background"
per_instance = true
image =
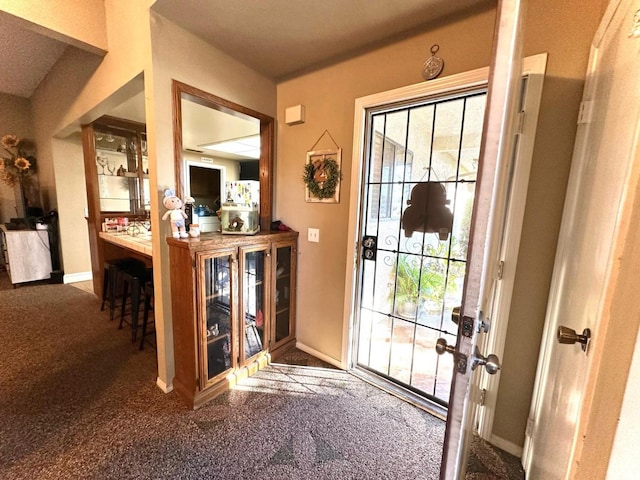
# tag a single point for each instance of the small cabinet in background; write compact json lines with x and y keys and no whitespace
{"x":233,"y":304}
{"x":116,"y":157}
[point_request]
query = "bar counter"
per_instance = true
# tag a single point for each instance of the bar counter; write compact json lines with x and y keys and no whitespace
{"x":140,"y":243}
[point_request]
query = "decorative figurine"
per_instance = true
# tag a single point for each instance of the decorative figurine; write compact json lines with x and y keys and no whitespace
{"x":194,"y":230}
{"x":175,"y":214}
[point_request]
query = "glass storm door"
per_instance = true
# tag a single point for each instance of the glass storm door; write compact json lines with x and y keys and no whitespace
{"x":418,"y":194}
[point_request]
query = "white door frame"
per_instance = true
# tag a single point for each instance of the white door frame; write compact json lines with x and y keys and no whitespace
{"x":534,"y":67}
{"x":186,"y":181}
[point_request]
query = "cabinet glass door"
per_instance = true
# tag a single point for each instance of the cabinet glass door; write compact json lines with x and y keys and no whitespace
{"x":283,"y":291}
{"x":216,"y":327}
{"x":122,"y":167}
{"x":253,"y":265}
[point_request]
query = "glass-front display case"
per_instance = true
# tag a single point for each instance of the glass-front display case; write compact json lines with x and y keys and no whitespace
{"x":233,"y":308}
{"x":254,"y":300}
{"x":122,"y":169}
{"x":216,"y":326}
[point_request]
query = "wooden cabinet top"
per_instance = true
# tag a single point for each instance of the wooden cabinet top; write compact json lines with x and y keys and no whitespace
{"x":208,"y":241}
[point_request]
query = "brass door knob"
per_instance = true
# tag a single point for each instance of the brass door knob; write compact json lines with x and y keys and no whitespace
{"x":568,"y":336}
{"x":442,"y":347}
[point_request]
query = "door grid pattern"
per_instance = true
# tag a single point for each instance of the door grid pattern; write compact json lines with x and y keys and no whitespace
{"x":420,"y":174}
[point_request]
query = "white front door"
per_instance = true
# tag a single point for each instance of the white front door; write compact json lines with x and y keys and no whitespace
{"x":592,"y":225}
{"x":497,"y":156}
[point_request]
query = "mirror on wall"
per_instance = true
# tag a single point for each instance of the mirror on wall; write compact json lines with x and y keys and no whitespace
{"x":218,"y":141}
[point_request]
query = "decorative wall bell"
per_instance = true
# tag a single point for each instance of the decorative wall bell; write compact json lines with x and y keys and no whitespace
{"x":428,"y":211}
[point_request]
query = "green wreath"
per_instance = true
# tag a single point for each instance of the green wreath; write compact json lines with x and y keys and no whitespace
{"x":326,"y":189}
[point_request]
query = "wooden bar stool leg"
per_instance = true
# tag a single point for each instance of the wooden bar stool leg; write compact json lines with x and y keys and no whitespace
{"x":125,"y":293}
{"x":148,"y":293}
{"x":135,"y":307}
{"x":114,"y":272}
{"x":105,"y":282}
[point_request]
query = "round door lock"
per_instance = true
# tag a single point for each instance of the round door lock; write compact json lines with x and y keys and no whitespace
{"x":491,"y":362}
{"x":442,"y":347}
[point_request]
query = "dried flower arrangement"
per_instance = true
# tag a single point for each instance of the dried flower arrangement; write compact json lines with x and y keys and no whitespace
{"x":18,"y":167}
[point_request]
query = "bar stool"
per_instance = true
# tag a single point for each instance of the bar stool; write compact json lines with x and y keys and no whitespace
{"x":112,"y":274}
{"x":148,"y":300}
{"x":133,"y":279}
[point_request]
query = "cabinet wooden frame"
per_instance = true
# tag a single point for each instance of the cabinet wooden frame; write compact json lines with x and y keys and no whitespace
{"x":276,"y":345}
{"x":201,"y":324}
{"x":243,"y":358}
{"x":95,"y":216}
{"x":188,"y":259}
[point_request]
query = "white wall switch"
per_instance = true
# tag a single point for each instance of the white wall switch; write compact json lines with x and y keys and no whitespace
{"x":313,"y":235}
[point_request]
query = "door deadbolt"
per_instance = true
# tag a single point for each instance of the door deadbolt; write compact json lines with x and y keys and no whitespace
{"x":455,"y":315}
{"x":569,"y":336}
{"x":369,"y":247}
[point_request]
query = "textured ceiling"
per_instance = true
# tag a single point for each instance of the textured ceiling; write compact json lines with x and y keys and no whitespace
{"x":275,"y":37}
{"x":26,"y":58}
{"x":281,"y":37}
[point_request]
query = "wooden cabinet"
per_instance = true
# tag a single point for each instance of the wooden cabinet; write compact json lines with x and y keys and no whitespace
{"x":233,"y":305}
{"x":122,"y":167}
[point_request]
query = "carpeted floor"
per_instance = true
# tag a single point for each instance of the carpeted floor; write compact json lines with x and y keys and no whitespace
{"x":78,"y":400}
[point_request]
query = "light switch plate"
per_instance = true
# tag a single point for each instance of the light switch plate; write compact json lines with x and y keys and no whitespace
{"x":313,"y":235}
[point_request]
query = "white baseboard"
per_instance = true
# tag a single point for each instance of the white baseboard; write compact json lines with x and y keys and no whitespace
{"x":163,"y":386}
{"x":506,"y":445}
{"x":77,"y":277}
{"x":321,"y":356}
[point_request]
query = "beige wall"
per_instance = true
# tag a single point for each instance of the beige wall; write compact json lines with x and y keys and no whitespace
{"x":329,"y":96}
{"x":77,"y":22}
{"x":15,"y":119}
{"x":182,"y":56}
{"x":80,"y":88}
{"x":564,"y":30}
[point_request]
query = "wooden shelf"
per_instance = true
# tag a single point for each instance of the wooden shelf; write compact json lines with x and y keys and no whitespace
{"x":217,"y":338}
{"x":217,"y":295}
{"x":111,"y":152}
